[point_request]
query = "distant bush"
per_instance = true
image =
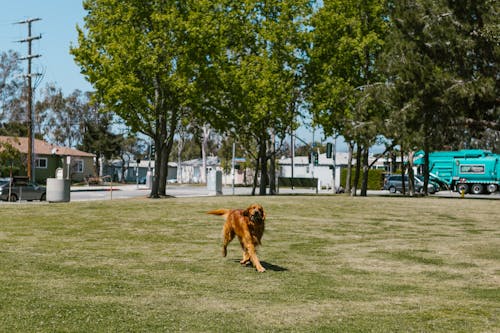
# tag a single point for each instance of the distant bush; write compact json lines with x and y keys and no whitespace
{"x":375,"y":179}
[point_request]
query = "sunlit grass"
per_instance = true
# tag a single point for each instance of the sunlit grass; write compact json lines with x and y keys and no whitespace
{"x":334,"y":264}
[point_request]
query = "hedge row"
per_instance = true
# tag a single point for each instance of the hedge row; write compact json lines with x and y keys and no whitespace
{"x":375,"y":179}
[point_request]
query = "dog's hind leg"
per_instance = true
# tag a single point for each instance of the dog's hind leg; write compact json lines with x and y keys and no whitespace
{"x":246,"y":258}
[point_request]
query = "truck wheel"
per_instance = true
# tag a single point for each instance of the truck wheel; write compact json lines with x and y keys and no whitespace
{"x":392,"y":189}
{"x":477,"y":188}
{"x":462,"y":187}
{"x":13,"y":198}
{"x":491,"y":188}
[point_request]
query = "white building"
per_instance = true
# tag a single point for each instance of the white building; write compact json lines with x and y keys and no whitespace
{"x":323,"y":171}
{"x":190,"y":171}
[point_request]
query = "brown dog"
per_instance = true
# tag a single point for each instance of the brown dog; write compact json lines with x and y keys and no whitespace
{"x":248,"y":225}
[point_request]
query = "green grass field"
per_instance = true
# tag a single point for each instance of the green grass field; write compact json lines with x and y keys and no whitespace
{"x":334,"y":264}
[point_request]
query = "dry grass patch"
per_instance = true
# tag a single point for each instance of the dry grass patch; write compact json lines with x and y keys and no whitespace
{"x":334,"y":264}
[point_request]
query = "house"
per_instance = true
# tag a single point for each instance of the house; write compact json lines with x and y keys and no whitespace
{"x":76,"y":164}
{"x":243,"y":175}
{"x":134,"y":172}
{"x":187,"y":172}
{"x":190,"y":171}
{"x":302,"y":168}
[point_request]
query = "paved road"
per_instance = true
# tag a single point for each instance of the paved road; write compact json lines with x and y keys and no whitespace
{"x":90,"y":193}
{"x":134,"y":191}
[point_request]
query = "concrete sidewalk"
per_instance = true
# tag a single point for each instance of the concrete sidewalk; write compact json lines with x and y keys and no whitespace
{"x":184,"y":190}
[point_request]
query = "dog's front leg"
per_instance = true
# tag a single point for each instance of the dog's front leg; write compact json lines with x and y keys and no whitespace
{"x":253,"y":258}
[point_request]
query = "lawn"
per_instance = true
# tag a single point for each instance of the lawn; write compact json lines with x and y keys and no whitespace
{"x":334,"y":264}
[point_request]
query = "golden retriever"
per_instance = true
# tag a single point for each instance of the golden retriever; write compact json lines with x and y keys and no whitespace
{"x":248,"y":225}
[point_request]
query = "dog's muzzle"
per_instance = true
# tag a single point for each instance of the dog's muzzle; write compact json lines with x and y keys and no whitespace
{"x":256,"y":217}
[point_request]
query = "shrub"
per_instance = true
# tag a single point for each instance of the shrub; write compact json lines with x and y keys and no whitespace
{"x":375,"y":178}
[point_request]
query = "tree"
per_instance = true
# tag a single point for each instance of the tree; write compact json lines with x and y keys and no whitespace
{"x":129,"y":148}
{"x":342,"y":74}
{"x":476,"y":53}
{"x":61,"y":118}
{"x":144,"y":59}
{"x":441,"y":74}
{"x":11,"y":88}
{"x":11,"y":159}
{"x":259,"y":70}
{"x":98,"y":139}
{"x":14,"y":129}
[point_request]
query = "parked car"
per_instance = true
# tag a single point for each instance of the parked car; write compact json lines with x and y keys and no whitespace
{"x":432,"y":181}
{"x":394,"y":183}
{"x":21,"y":189}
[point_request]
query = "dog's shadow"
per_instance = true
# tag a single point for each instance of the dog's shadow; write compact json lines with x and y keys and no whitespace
{"x":267,"y":266}
{"x":271,"y":267}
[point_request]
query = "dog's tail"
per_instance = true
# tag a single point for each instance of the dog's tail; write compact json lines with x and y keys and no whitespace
{"x":223,"y":212}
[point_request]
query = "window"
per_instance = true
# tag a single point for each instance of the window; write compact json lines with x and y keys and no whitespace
{"x":41,"y":163}
{"x":78,"y":166}
{"x":472,"y":168}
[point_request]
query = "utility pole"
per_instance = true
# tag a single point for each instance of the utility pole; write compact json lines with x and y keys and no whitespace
{"x":29,"y":39}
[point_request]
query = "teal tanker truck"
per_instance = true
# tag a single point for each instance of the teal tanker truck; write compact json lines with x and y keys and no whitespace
{"x":471,"y":171}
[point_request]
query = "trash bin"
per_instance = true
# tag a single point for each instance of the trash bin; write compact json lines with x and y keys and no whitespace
{"x":58,"y":190}
{"x":149,"y":179}
{"x":214,"y":183}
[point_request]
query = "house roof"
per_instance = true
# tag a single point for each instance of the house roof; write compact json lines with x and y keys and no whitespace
{"x":340,"y":159}
{"x":117,"y":163}
{"x":43,"y":148}
{"x":211,"y":161}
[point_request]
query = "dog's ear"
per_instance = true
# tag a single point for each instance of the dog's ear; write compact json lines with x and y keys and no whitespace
{"x":246,"y":213}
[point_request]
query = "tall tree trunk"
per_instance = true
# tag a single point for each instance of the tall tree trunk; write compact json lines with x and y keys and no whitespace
{"x":159,"y":126}
{"x":166,"y":150}
{"x":403,"y":171}
{"x":162,"y":149}
{"x":256,"y":175}
{"x":204,"y":147}
{"x":349,"y":167}
{"x":272,"y":166}
{"x":366,"y":169}
{"x":162,"y":188}
{"x":180,"y":147}
{"x":411,"y":175}
{"x":426,"y":170}
{"x":156,"y":177}
{"x":263,"y":166}
{"x":426,"y":165}
{"x":123,"y":168}
{"x":359,"y":151}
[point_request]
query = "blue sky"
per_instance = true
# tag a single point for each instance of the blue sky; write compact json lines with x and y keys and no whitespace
{"x":57,"y":27}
